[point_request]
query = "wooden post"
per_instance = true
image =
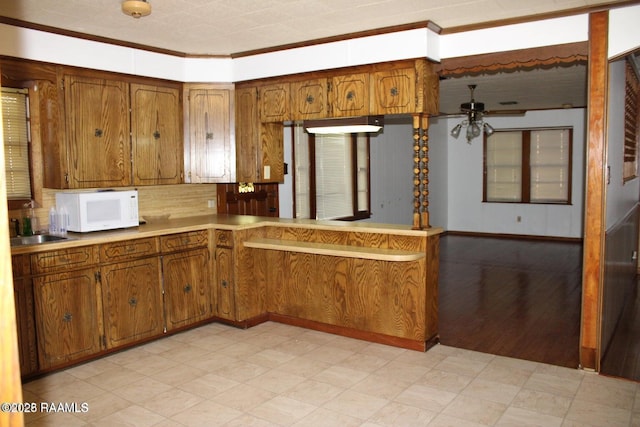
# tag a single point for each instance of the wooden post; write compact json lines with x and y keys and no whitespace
{"x":594,"y":229}
{"x":424,"y":149}
{"x":416,"y":172}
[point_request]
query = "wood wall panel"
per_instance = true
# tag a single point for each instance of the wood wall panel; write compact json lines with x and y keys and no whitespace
{"x":620,"y":271}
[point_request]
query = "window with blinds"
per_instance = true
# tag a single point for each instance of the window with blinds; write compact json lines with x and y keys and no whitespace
{"x":15,"y":126}
{"x":332,"y":176}
{"x":528,"y":166}
{"x":631,"y":122}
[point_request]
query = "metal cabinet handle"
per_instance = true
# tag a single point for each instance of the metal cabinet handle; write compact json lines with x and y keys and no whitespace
{"x":350,"y":95}
{"x":67,"y":317}
{"x":133,"y":302}
{"x":156,"y":135}
{"x":187,"y":288}
{"x":98,"y":133}
{"x":394,"y":91}
{"x":224,"y":283}
{"x":309,"y":99}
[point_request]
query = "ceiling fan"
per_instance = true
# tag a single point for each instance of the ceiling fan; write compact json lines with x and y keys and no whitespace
{"x":474,"y":121}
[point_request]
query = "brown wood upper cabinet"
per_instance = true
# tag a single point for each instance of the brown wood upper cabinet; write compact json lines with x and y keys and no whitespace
{"x":156,"y":135}
{"x":274,"y":102}
{"x":97,"y":113}
{"x":209,"y":150}
{"x":393,"y":91}
{"x":349,"y":95}
{"x":259,"y":145}
{"x":309,"y":99}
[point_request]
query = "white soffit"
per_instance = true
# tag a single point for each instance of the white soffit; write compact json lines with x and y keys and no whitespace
{"x":624,"y":36}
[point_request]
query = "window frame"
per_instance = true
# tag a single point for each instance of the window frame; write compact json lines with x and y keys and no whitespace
{"x":525,"y":181}
{"x":631,"y":123}
{"x":15,"y":204}
{"x":356,"y":214}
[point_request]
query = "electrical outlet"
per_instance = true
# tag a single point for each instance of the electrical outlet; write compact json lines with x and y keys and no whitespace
{"x":211,"y":203}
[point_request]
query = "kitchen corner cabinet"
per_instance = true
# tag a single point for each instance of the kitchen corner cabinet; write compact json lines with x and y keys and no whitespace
{"x":131,"y":291}
{"x":259,"y":145}
{"x":67,"y":305}
{"x":350,"y":95}
{"x":98,"y":141}
{"x":209,"y":149}
{"x":25,"y":314}
{"x":187,"y":281}
{"x":156,"y":135}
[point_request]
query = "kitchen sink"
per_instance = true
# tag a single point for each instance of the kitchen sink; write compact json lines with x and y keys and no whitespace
{"x":36,"y":239}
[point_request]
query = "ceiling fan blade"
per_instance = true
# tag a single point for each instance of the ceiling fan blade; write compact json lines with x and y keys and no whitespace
{"x":505,"y":113}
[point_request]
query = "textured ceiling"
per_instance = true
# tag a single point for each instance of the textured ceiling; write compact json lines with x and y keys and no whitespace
{"x":223,"y":27}
{"x":226,"y":27}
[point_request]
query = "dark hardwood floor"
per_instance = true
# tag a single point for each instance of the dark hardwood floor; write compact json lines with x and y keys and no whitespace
{"x":516,"y":298}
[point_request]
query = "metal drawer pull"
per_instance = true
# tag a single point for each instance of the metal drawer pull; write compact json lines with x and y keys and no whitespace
{"x":67,"y":317}
{"x":224,"y":284}
{"x":133,"y":302}
{"x":187,"y":288}
{"x":98,"y":133}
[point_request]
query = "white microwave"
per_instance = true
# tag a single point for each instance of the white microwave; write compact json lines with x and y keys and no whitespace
{"x":99,"y":210}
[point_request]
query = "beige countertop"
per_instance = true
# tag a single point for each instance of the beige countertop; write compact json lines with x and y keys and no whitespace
{"x":226,"y":222}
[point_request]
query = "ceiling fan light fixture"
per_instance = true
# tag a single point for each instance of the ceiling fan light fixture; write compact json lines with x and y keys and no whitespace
{"x":136,"y":8}
{"x":474,"y":123}
{"x":488,"y":129}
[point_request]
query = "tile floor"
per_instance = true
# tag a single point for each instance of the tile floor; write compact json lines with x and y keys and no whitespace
{"x":279,"y":375}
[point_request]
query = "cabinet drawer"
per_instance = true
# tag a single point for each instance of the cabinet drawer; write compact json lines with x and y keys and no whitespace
{"x":64,"y":259}
{"x":181,"y":241}
{"x":224,"y":238}
{"x":128,"y":249}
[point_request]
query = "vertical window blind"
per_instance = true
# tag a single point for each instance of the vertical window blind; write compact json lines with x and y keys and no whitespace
{"x":331,"y":175}
{"x":15,"y":124}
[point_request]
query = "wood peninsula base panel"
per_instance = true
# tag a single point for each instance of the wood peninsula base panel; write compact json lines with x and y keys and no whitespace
{"x":390,"y":301}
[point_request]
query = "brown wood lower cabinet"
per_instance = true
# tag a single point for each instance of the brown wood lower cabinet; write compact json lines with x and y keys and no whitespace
{"x":225,"y":288}
{"x":25,"y":317}
{"x":67,"y":309}
{"x":187,"y":289}
{"x":132,"y":301}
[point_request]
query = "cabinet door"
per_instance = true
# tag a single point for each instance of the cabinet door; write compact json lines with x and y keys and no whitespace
{"x":350,"y":95}
{"x":99,"y":146}
{"x":211,"y":155}
{"x":247,"y":134}
{"x":187,"y":287}
{"x":224,"y":276}
{"x":156,"y":135}
{"x":393,"y":91}
{"x":132,"y":301}
{"x":67,"y":316}
{"x":274,"y":102}
{"x":25,"y":322}
{"x":309,"y":99}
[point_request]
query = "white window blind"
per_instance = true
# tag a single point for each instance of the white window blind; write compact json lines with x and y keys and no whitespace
{"x":550,"y":165}
{"x":302,"y":167}
{"x":334,"y":194}
{"x":363,"y":173}
{"x":16,"y":142}
{"x":504,"y":167}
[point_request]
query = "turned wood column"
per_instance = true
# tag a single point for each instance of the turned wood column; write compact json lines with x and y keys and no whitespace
{"x":416,"y":172}
{"x":420,"y":171}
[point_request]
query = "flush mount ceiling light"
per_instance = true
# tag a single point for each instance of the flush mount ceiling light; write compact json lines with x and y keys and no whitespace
{"x":136,"y":8}
{"x":474,"y":123}
{"x":364,"y":124}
